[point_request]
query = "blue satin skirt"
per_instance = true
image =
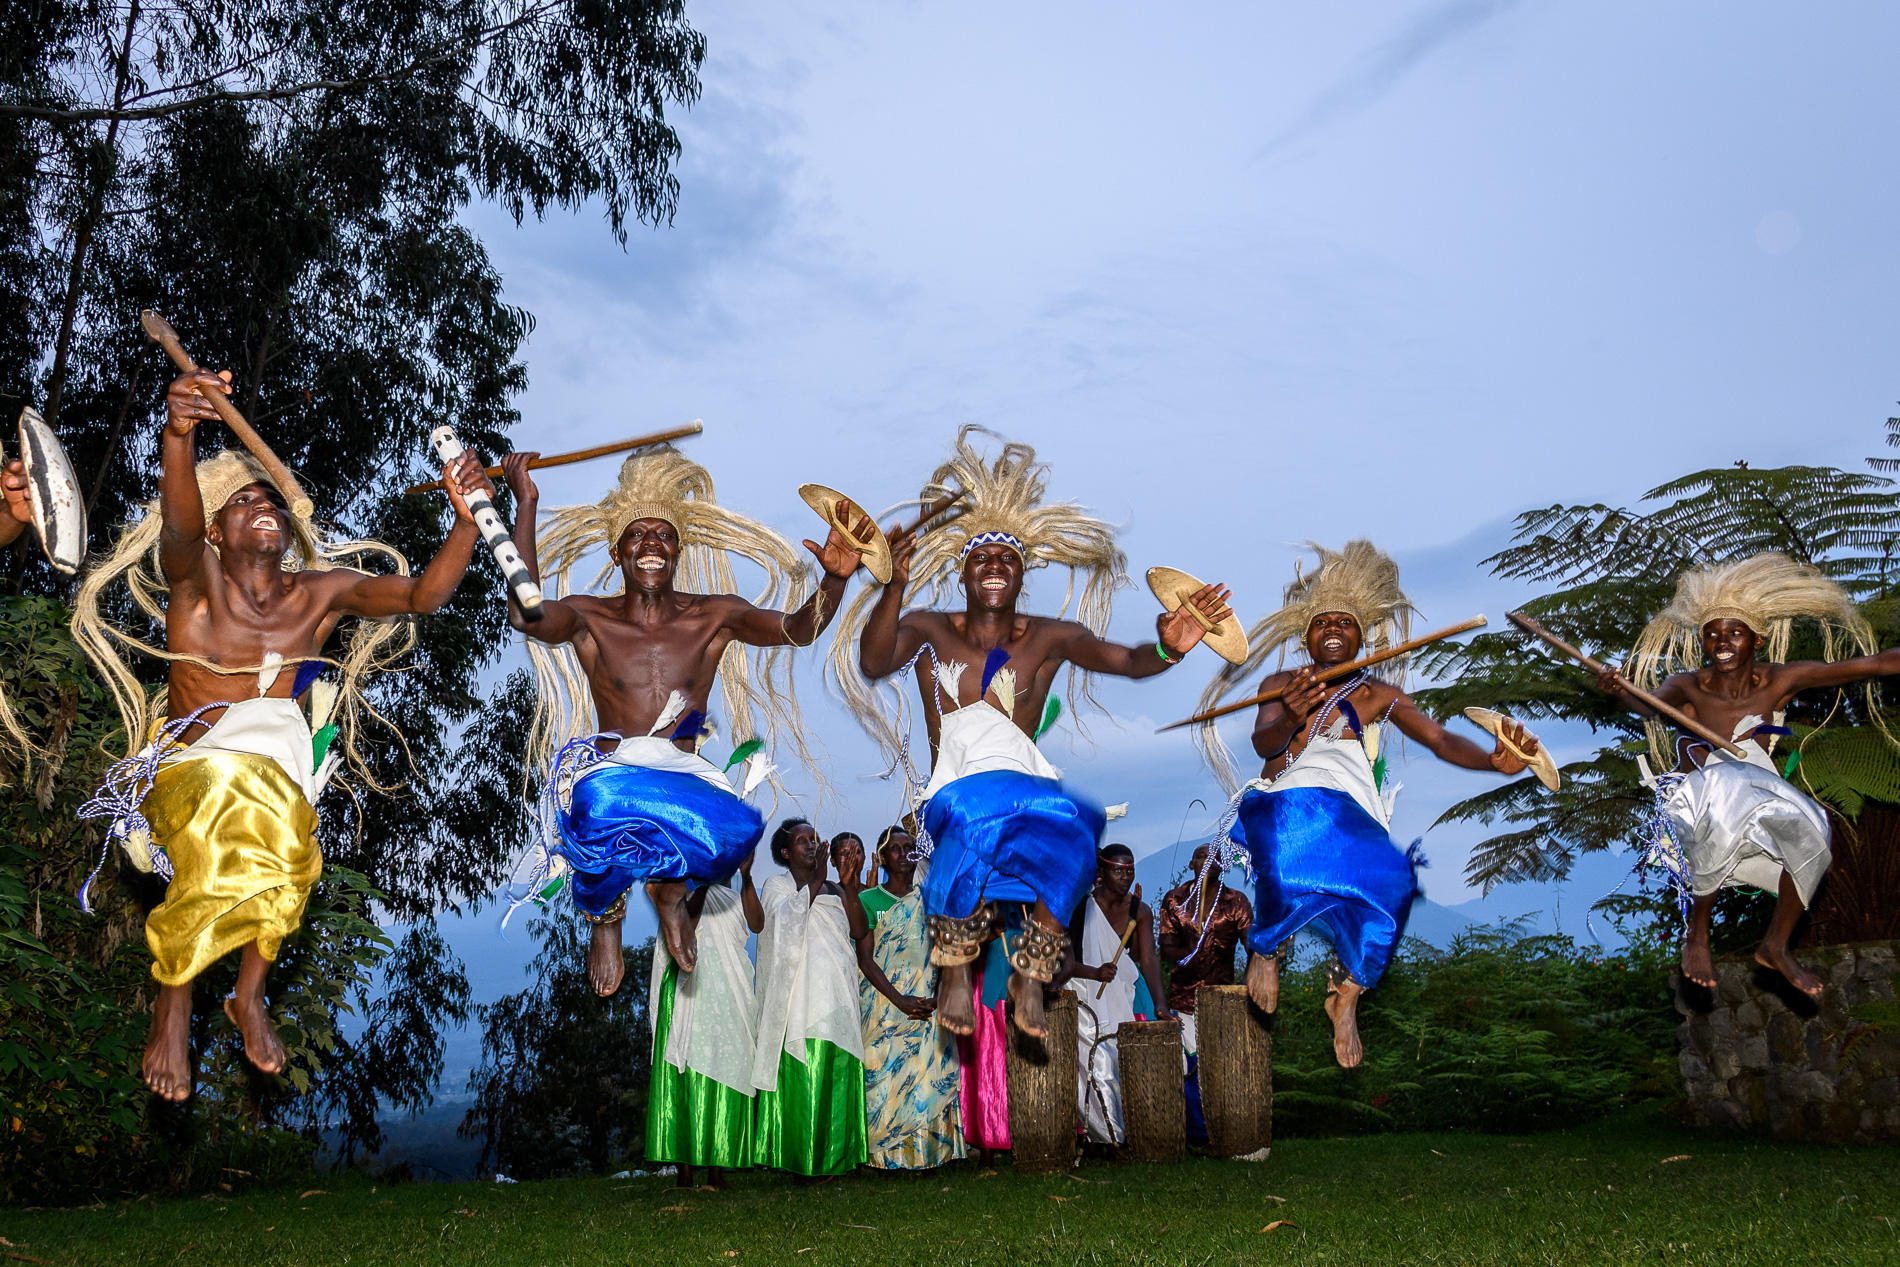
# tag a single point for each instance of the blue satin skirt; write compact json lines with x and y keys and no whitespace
{"x":1007,"y":836}
{"x":628,"y":824}
{"x":1318,"y":857}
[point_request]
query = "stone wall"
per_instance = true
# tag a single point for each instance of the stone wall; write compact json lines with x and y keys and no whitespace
{"x":1764,"y":1058}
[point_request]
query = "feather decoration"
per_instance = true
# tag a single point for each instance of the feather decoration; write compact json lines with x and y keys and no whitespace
{"x":756,"y":772}
{"x":308,"y":671}
{"x":675,"y":705}
{"x":996,"y":659}
{"x":1005,"y":688}
{"x":323,"y":696}
{"x":744,"y":751}
{"x":320,"y":743}
{"x":950,"y":677}
{"x":690,"y":725}
{"x":1050,"y":711}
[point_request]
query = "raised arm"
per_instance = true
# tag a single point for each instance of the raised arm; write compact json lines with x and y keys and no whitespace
{"x":362,"y":594}
{"x":181,"y":538}
{"x":1176,"y":633}
{"x":1175,"y":933}
{"x":749,"y":896}
{"x":888,"y":641}
{"x":837,"y":560}
{"x":16,"y":501}
{"x":1278,"y":720}
{"x":559,"y":621}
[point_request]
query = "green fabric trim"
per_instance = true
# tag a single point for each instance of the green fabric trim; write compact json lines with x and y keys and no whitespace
{"x":692,"y":1120}
{"x":814,"y":1123}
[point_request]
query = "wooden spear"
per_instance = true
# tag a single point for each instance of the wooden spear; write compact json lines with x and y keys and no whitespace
{"x":1681,"y":719}
{"x":1337,"y":671}
{"x":167,"y":338}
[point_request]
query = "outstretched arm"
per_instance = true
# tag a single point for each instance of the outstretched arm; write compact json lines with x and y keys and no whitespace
{"x":1176,"y":632}
{"x":837,"y":559}
{"x":1803,"y":674}
{"x":375,"y":596}
{"x":1456,"y":749}
{"x":181,"y":539}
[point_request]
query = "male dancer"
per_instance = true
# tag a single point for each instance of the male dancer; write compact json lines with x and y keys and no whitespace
{"x":222,"y":801}
{"x":1315,"y":824}
{"x":1725,"y":822}
{"x":1002,"y":827}
{"x":651,"y":808}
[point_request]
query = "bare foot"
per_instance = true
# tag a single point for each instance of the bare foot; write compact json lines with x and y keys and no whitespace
{"x":1778,"y":958}
{"x":1026,"y":994}
{"x":1263,"y":981}
{"x":167,"y":1064}
{"x":261,"y":1046}
{"x":1698,"y":966}
{"x":1342,"y":1005}
{"x":956,"y":1000}
{"x":676,"y":927}
{"x":605,"y":964}
{"x":716,"y":1179}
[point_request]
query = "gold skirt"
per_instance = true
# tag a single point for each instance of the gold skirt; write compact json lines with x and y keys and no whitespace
{"x":243,"y":848}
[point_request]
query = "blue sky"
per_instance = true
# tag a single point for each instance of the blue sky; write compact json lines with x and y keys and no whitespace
{"x":1245,"y":275}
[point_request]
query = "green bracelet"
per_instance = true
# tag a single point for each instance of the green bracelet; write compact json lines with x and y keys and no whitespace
{"x":1163,"y":653}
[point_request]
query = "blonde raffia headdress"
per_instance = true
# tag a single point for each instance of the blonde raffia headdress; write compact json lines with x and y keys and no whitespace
{"x":371,"y":646}
{"x":1360,"y":580}
{"x":1767,"y":592}
{"x":1003,"y":505}
{"x":660,"y":482}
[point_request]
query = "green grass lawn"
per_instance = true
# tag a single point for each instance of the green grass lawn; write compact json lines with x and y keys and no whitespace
{"x":1609,"y":1193}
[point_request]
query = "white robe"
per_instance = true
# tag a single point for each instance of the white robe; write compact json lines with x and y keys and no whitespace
{"x":807,"y":980}
{"x":1098,"y":1064}
{"x":712,"y":1027}
{"x":1741,"y":823}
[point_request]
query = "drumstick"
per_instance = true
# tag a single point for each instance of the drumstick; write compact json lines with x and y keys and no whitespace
{"x":167,"y":338}
{"x":1681,"y":719}
{"x":514,"y":569}
{"x":1327,"y":675}
{"x":692,"y":428}
{"x":1134,"y":900}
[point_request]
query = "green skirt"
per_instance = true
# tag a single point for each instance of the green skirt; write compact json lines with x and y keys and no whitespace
{"x":692,"y":1120}
{"x":814,"y":1123}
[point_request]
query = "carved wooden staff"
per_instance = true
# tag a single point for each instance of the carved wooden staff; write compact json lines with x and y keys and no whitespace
{"x":167,"y":338}
{"x":481,"y":507}
{"x":692,"y":428}
{"x":1675,"y":715}
{"x":1337,"y":671}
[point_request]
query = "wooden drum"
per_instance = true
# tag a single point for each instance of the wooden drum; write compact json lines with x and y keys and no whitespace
{"x":1154,"y":1103}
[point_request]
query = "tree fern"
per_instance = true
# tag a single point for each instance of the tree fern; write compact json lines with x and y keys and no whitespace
{"x":1612,"y":569}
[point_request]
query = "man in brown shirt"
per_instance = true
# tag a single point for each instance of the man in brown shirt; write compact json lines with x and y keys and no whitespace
{"x":1203,"y":903}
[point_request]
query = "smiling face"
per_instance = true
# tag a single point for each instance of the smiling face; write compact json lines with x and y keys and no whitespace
{"x":993,"y":577}
{"x":649,"y":554}
{"x":1332,"y":638}
{"x":253,"y":520}
{"x":1729,"y":644}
